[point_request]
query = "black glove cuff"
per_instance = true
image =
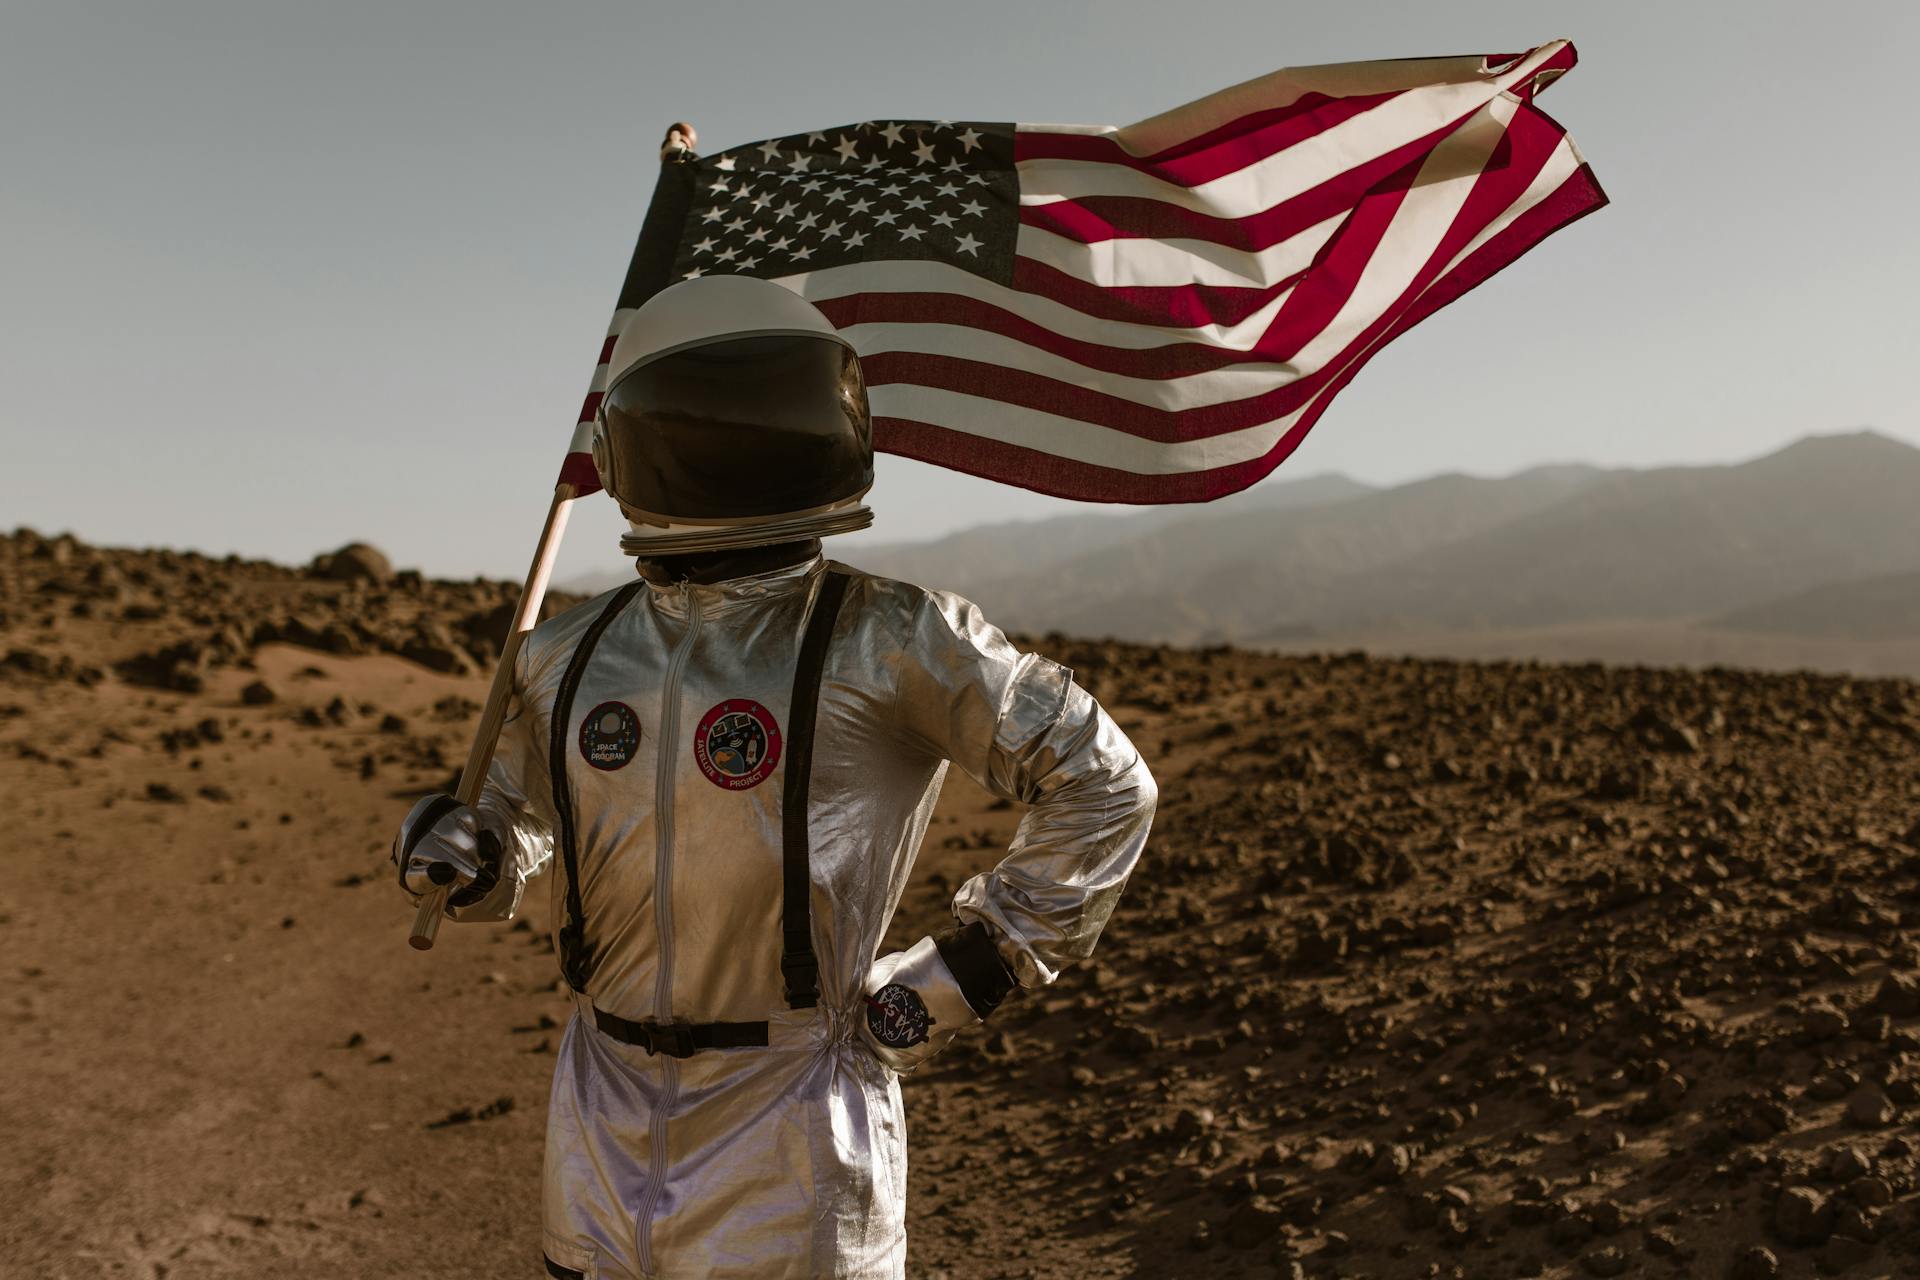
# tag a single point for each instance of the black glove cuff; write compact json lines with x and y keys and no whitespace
{"x":975,"y":963}
{"x":489,"y":876}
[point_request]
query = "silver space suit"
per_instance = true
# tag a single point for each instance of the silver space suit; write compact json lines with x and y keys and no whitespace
{"x":788,"y":1158}
{"x":731,"y":775}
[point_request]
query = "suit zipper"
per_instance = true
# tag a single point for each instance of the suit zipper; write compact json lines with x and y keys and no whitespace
{"x":666,"y":757}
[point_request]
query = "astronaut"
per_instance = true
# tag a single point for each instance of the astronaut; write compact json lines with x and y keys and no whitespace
{"x":732,"y":761}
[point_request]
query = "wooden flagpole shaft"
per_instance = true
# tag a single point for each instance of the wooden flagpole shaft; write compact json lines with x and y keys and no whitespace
{"x":426,"y":922}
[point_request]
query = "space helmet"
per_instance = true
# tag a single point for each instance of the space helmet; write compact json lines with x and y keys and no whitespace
{"x":735,"y":416}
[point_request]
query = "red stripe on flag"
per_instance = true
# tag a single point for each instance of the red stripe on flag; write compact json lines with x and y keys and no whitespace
{"x":1214,"y":154}
{"x":1065,"y":477}
{"x":578,"y":470}
{"x":1187,"y":306}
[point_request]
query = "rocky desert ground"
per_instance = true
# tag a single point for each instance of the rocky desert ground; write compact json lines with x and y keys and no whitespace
{"x":1433,"y":969}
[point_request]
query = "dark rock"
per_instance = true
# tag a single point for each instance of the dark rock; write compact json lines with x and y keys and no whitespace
{"x":1871,"y":1108}
{"x":1844,"y":1164}
{"x":436,"y":656}
{"x":258,"y":694}
{"x":1192,"y":1122}
{"x":1254,"y":1223}
{"x":1843,"y":1253}
{"x":1392,"y":1163}
{"x":1802,"y":1216}
{"x":1898,"y":996}
{"x":1609,"y":1261}
{"x":467,"y":1115}
{"x":1874,"y":1192}
{"x":1823,"y":1022}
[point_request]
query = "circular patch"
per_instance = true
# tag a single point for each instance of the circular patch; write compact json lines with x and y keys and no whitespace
{"x":898,"y":1017}
{"x":610,"y":736}
{"x":737,"y":744}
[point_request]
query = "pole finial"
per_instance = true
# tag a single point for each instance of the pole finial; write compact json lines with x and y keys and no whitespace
{"x":679,"y":142}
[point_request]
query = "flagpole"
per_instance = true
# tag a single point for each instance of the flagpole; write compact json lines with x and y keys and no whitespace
{"x":644,"y":277}
{"x":426,"y":921}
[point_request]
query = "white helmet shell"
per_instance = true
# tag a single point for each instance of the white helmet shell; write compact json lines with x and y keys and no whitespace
{"x":709,"y":309}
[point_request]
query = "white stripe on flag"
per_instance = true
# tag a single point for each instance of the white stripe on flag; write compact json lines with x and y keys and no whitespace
{"x":1071,"y":438}
{"x":1194,"y":391}
{"x":1135,"y":261}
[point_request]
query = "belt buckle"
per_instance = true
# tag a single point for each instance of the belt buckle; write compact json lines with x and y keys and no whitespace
{"x":673,"y":1037}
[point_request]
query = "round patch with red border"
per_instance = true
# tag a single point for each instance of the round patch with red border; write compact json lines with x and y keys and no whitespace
{"x":737,"y":744}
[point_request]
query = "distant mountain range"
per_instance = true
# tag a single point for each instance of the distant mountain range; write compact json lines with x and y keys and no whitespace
{"x":1806,"y":556}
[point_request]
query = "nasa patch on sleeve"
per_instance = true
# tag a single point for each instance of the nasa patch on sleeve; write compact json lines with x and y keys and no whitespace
{"x":898,"y":1017}
{"x":610,"y":736}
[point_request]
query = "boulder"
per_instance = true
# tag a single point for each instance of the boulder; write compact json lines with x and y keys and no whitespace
{"x":355,"y":562}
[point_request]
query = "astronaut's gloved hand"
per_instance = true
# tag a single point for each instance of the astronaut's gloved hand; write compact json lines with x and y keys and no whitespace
{"x":441,"y":843}
{"x":918,"y":999}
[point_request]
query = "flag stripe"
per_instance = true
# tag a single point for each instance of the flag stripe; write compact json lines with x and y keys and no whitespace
{"x":983,"y":349}
{"x":1071,"y":437}
{"x":1185,"y":306}
{"x":1035,"y":320}
{"x":1228,"y":149}
{"x":1159,"y":262}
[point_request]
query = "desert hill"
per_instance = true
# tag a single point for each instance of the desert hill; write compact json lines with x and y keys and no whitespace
{"x":1881,"y":607}
{"x":1554,"y":562}
{"x":1432,"y":968}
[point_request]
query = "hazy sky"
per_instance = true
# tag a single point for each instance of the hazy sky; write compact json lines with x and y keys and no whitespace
{"x":277,"y":275}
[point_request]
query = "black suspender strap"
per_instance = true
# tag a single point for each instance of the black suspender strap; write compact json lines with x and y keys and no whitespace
{"x":798,"y":967}
{"x":576,"y":961}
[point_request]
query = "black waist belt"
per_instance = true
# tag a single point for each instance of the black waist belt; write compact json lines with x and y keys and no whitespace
{"x":679,"y":1039}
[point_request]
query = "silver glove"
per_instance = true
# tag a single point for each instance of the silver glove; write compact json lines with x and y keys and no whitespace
{"x":441,"y":843}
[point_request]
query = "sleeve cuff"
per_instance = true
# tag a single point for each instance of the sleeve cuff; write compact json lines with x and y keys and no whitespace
{"x":974,"y":961}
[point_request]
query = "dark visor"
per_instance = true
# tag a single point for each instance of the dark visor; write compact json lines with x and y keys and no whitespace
{"x":752,"y":427}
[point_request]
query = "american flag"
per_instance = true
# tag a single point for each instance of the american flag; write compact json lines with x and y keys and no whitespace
{"x":1150,"y":314}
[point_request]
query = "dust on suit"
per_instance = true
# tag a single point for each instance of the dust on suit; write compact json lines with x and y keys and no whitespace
{"x":725,"y":1100}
